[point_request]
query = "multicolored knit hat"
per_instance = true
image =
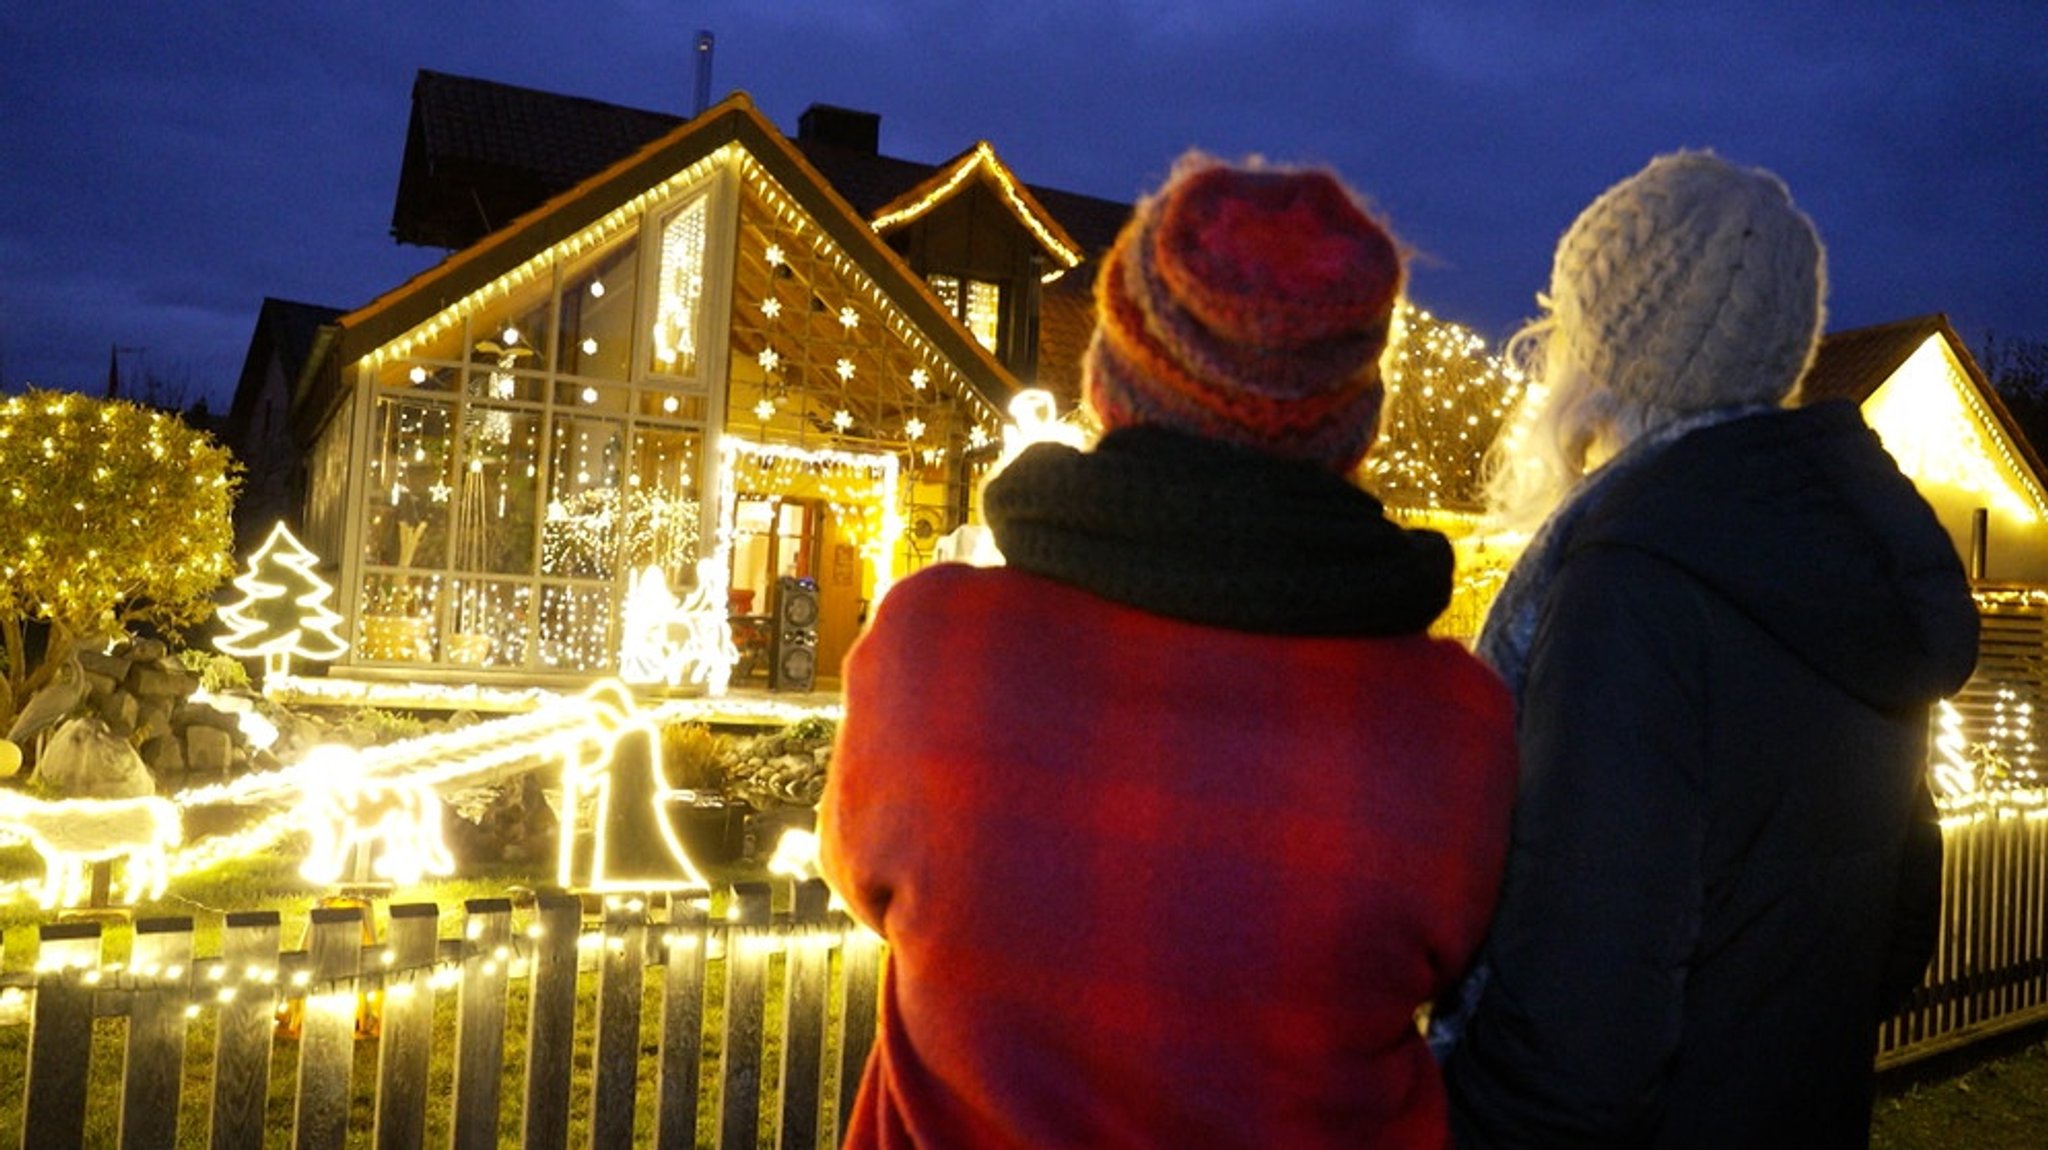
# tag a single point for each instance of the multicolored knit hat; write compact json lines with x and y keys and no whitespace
{"x":1247,"y":304}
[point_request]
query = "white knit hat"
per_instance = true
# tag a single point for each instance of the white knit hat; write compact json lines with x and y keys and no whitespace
{"x":1692,"y":284}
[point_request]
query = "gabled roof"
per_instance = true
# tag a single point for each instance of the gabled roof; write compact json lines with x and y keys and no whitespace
{"x":479,"y":153}
{"x":980,"y":162}
{"x":285,"y":334}
{"x":1853,"y":364}
{"x":733,"y":121}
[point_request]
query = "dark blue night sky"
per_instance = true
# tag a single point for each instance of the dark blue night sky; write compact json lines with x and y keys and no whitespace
{"x":164,"y":167}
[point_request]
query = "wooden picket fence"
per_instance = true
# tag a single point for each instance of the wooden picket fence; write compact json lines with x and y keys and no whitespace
{"x":1990,"y":968}
{"x":825,"y":968}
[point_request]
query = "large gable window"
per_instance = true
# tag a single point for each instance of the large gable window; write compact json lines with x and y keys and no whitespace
{"x":977,"y":303}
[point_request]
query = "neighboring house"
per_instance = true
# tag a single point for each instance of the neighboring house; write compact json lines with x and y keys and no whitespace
{"x":696,"y":345}
{"x":257,"y":426}
{"x":1941,"y":420}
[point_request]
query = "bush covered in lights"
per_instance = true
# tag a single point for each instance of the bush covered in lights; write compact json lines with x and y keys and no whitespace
{"x":112,"y":515}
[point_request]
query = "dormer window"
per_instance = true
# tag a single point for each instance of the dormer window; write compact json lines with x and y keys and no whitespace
{"x":977,"y":303}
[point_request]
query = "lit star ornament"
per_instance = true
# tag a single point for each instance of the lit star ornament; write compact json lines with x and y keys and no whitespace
{"x":771,"y":307}
{"x":440,"y":492}
{"x":913,"y":428}
{"x":845,"y":368}
{"x":842,"y":419}
{"x":773,"y":254}
{"x":848,"y":318}
{"x":919,"y":377}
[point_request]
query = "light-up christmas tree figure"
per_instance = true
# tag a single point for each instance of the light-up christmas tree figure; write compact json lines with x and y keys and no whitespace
{"x":284,"y":609}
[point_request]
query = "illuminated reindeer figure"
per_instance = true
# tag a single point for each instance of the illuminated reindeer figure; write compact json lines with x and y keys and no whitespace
{"x":391,"y":825}
{"x":73,"y":834}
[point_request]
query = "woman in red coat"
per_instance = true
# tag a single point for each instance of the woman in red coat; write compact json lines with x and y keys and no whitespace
{"x":1173,"y":823}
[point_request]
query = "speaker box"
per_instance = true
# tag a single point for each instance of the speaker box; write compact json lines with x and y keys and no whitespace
{"x":793,"y":663}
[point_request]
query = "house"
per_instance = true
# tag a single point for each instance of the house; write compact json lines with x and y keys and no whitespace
{"x":257,"y":427}
{"x":1938,"y":416}
{"x":772,"y":368}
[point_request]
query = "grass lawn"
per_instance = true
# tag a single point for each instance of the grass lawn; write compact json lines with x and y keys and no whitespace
{"x":1995,"y":1104}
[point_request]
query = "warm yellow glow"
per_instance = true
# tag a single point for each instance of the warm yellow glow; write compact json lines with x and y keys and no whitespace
{"x":796,"y":855}
{"x":283,"y":611}
{"x":72,"y":834}
{"x":392,"y":823}
{"x":862,"y":494}
{"x":1934,"y":424}
{"x":666,"y":641}
{"x":599,"y":780}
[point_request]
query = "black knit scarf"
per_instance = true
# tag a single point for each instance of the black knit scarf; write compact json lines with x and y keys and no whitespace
{"x":1212,"y":534}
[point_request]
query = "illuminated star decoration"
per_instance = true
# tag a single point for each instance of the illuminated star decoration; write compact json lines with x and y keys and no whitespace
{"x":842,"y":419}
{"x":440,"y":492}
{"x":913,"y":428}
{"x":768,"y":359}
{"x":919,"y":377}
{"x":844,"y":367}
{"x":771,"y":307}
{"x":848,"y":318}
{"x":773,"y":254}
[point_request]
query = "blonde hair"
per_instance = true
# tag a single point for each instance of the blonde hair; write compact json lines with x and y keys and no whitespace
{"x":1566,"y":424}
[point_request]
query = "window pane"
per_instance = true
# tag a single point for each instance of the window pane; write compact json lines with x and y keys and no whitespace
{"x":679,"y":290}
{"x":579,"y":535}
{"x":661,"y":525}
{"x":496,"y":500}
{"x":406,"y":504}
{"x":487,"y":623}
{"x":597,"y":317}
{"x":575,"y":628}
{"x":512,"y":334}
{"x":984,"y":314}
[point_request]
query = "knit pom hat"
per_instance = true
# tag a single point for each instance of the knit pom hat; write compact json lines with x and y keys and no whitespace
{"x":1249,"y":305}
{"x":1691,"y":285}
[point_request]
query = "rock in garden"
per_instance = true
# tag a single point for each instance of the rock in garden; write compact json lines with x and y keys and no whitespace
{"x":86,"y":760}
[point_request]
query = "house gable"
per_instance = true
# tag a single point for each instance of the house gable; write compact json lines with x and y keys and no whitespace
{"x":1922,"y":392}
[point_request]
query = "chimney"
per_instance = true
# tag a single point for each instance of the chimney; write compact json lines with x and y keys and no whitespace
{"x":704,"y":42}
{"x":841,"y":127}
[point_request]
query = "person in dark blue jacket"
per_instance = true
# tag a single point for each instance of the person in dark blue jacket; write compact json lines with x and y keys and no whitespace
{"x":1723,"y":639}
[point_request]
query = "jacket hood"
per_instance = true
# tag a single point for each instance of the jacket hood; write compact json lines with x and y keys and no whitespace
{"x":1802,"y":522}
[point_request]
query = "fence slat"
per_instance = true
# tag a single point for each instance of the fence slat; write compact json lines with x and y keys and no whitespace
{"x":60,"y":1036}
{"x":682,"y":1026}
{"x":803,"y":1017}
{"x":406,"y":1039}
{"x":334,"y":950}
{"x":615,"y":1072}
{"x":480,"y":1023}
{"x":245,"y":1020}
{"x":155,"y":1065}
{"x":551,"y":1027}
{"x":746,"y":984}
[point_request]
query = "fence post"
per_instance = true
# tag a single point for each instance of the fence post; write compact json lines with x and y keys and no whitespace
{"x":60,"y":1035}
{"x":551,"y":1025}
{"x":682,"y":1026}
{"x":406,"y":1038}
{"x":746,"y":984}
{"x":245,"y":1019}
{"x":803,"y":1016}
{"x":480,"y":1022}
{"x":334,"y":951}
{"x":615,"y":1069}
{"x":155,"y":1069}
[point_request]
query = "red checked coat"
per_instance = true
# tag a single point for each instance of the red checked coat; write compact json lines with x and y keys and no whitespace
{"x":1147,"y":882}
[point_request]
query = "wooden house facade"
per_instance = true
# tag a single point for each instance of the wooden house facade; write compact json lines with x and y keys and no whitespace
{"x":704,"y":358}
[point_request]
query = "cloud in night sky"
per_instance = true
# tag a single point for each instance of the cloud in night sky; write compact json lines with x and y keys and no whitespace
{"x":162,"y":169}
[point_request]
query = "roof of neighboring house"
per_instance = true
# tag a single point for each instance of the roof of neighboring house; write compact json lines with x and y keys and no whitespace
{"x":1853,"y":364}
{"x":285,"y":333}
{"x":479,"y":153}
